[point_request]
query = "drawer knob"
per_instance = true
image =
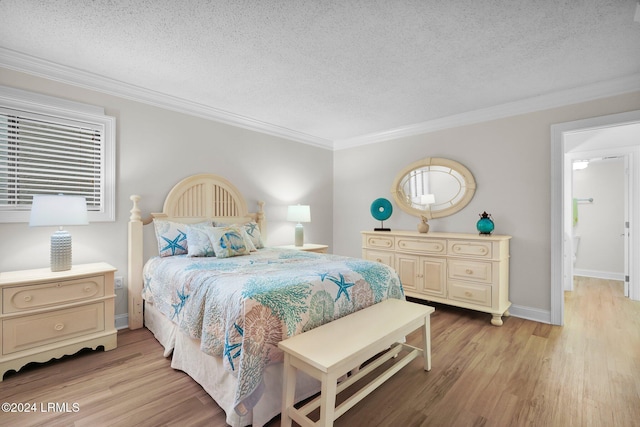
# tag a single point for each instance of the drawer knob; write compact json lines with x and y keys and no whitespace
{"x":87,"y":288}
{"x":469,"y":271}
{"x":27,"y":298}
{"x":468,"y":294}
{"x":456,"y":248}
{"x":483,"y":251}
{"x":58,"y":326}
{"x":379,"y":260}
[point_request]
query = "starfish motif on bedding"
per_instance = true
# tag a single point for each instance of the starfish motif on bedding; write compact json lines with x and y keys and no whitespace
{"x":229,"y":348}
{"x":174,"y":244}
{"x":343,"y":286}
{"x":177,"y":308}
{"x":250,"y":227}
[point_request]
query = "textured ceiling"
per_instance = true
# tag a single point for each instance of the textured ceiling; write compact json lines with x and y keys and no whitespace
{"x":334,"y":70}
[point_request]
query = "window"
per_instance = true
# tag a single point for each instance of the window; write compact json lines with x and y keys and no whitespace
{"x":51,"y":146}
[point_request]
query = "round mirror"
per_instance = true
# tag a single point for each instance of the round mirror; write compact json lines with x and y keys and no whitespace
{"x":433,"y":187}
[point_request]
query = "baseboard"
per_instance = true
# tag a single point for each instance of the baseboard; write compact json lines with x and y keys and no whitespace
{"x":122,"y":321}
{"x":535,"y":314}
{"x":607,"y":275}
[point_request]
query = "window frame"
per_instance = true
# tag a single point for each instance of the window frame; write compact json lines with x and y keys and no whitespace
{"x":36,"y":103}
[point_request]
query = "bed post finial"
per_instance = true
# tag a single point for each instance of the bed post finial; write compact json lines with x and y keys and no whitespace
{"x":135,"y":211}
{"x":134,"y":275}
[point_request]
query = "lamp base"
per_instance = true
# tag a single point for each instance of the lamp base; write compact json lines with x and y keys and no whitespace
{"x":299,"y":235}
{"x":61,"y":251}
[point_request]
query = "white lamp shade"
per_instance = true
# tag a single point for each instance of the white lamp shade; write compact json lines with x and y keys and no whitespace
{"x":299,"y":213}
{"x":58,"y":210}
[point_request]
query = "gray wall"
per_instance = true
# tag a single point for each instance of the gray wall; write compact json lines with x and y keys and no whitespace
{"x":155,"y":149}
{"x":509,"y":159}
{"x":600,"y":223}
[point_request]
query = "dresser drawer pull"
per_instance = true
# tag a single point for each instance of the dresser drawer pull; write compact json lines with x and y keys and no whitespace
{"x":378,"y":259}
{"x":483,"y":251}
{"x":27,"y":298}
{"x":468,"y":294}
{"x":87,"y":288}
{"x":469,"y":271}
{"x":58,"y":326}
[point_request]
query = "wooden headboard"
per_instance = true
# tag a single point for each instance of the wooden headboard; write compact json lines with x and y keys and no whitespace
{"x":194,"y":199}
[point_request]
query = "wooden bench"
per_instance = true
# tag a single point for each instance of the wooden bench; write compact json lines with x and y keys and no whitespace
{"x":330,"y":351}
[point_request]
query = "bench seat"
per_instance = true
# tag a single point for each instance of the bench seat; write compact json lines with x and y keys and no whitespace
{"x":330,"y":351}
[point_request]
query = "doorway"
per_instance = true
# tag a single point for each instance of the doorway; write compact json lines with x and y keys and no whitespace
{"x":619,"y":133}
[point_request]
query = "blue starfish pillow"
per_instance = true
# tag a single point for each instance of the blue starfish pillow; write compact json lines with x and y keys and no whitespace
{"x":171,"y":236}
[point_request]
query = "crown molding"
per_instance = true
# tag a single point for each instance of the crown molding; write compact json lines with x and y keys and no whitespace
{"x":31,"y":65}
{"x":542,"y":102}
{"x":38,"y":67}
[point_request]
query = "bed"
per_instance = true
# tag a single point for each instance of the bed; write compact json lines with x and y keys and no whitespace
{"x":219,"y":300}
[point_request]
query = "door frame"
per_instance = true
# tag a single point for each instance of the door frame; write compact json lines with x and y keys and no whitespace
{"x":561,"y":181}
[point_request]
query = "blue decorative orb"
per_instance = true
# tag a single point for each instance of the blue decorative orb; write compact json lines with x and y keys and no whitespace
{"x":381,"y":209}
{"x":485,"y":224}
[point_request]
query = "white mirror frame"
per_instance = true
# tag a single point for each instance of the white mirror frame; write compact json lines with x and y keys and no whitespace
{"x":469,"y":182}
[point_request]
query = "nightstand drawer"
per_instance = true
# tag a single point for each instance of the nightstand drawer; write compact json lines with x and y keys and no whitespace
{"x":470,"y":270}
{"x":22,"y":333}
{"x":30,"y":297}
{"x":470,"y":293}
{"x":471,"y":249}
{"x":430,"y":246}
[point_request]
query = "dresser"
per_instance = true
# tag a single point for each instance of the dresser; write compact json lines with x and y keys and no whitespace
{"x":47,"y":314}
{"x":463,"y":270}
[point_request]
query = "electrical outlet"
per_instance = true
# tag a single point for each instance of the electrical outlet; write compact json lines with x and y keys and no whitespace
{"x":119,"y":282}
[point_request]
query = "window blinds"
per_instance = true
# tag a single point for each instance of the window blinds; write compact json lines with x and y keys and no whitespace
{"x":41,"y":154}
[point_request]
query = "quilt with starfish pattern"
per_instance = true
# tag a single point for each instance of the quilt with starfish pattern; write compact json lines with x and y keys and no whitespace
{"x":241,"y":307}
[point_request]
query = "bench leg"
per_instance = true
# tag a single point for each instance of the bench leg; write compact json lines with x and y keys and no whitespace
{"x":288,"y":390}
{"x":328,"y":400}
{"x":426,"y":343}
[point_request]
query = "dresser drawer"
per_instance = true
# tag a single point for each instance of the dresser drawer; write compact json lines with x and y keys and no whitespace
{"x":30,"y":297}
{"x":424,"y":246}
{"x":379,"y":242}
{"x":470,"y":270}
{"x":379,"y":256}
{"x":22,"y":333}
{"x":470,"y":293}
{"x":470,"y":249}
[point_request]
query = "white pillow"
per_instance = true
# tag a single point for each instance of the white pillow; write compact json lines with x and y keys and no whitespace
{"x":199,"y":241}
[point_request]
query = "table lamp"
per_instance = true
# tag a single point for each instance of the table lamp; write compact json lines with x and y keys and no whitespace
{"x":299,"y":214}
{"x":58,"y":210}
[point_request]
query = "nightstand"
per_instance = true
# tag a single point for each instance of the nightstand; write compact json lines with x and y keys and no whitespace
{"x":47,"y":314}
{"x":308,"y":247}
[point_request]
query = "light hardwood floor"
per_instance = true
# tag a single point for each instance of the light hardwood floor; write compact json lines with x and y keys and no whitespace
{"x":524,"y":373}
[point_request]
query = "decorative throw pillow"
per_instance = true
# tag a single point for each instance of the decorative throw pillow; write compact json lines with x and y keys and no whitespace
{"x":253,"y":230}
{"x":198,"y":239}
{"x":171,"y":236}
{"x":228,"y":241}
